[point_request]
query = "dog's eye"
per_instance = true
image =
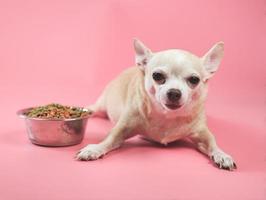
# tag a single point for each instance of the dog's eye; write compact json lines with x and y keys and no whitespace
{"x":158,"y":77}
{"x":193,"y":80}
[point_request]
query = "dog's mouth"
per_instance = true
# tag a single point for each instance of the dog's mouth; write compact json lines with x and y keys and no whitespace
{"x":172,"y":106}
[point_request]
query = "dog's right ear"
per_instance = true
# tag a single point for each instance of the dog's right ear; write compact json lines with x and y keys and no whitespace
{"x":143,"y":54}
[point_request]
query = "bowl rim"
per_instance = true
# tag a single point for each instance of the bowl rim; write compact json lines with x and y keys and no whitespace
{"x":21,"y":114}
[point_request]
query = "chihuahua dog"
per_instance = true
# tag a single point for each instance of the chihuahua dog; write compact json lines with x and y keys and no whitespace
{"x":162,"y":99}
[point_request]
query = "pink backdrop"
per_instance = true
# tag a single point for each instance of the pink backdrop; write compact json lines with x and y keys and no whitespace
{"x":66,"y":51}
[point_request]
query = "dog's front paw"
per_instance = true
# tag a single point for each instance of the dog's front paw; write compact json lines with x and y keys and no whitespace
{"x":91,"y":152}
{"x":223,"y":160}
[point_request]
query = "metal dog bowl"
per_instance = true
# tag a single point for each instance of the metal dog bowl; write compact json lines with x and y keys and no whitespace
{"x":54,"y":132}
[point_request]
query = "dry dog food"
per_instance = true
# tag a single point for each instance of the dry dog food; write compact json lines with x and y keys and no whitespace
{"x":56,"y":111}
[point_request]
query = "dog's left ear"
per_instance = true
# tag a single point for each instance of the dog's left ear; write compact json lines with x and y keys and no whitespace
{"x":212,"y":59}
{"x":143,"y":54}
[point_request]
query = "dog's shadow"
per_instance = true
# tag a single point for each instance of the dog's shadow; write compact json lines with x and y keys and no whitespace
{"x":143,"y":143}
{"x":143,"y":147}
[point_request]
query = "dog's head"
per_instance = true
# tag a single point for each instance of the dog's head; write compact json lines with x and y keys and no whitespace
{"x":175,"y":79}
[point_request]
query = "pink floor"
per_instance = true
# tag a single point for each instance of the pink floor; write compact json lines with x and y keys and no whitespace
{"x":66,"y":52}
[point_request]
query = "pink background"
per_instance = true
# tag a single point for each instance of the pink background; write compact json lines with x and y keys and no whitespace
{"x":67,"y":51}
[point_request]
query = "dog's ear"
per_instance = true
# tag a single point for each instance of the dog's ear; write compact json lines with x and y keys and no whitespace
{"x":212,"y":59}
{"x":143,"y":54}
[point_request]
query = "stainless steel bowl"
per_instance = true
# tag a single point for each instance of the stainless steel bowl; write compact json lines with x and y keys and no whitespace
{"x":54,"y":132}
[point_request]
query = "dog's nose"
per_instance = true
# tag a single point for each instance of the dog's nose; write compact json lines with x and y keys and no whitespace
{"x":174,"y":95}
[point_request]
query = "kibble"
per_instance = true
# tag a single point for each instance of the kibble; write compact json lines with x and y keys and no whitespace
{"x":56,"y":111}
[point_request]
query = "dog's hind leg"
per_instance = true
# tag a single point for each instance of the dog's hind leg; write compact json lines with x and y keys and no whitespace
{"x":98,"y":109}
